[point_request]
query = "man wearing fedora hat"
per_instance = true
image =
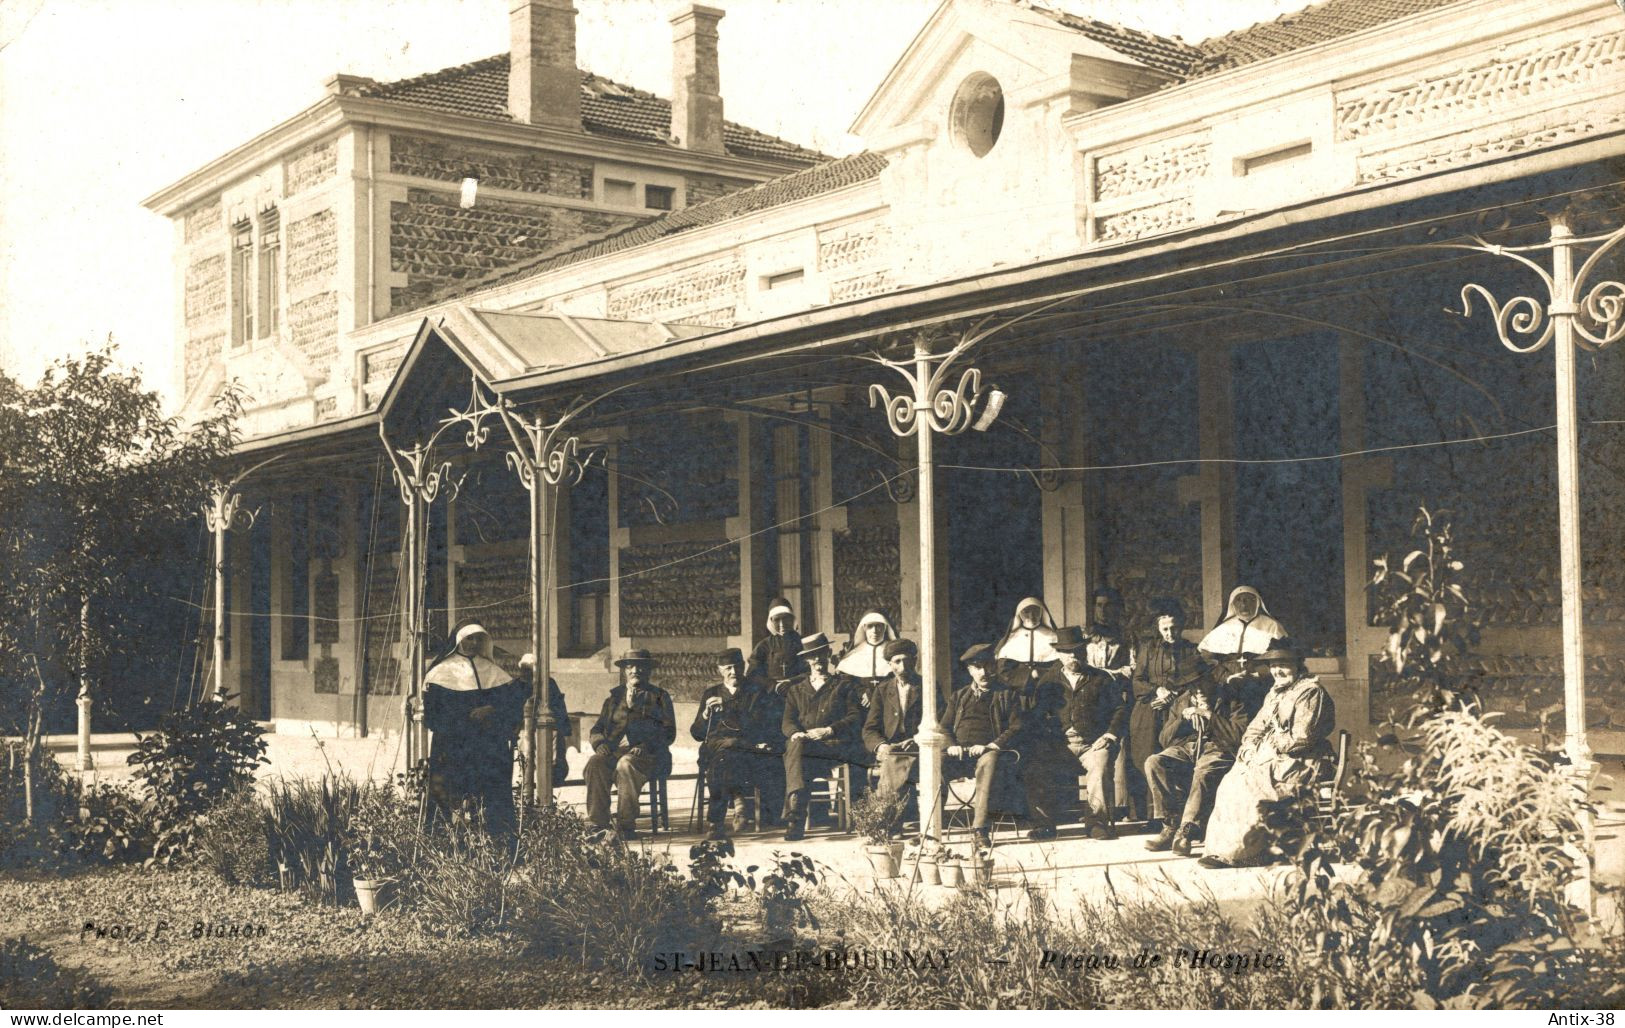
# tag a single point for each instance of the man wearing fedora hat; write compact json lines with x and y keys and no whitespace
{"x":821,"y":726}
{"x":1207,"y":718}
{"x":1095,"y":722}
{"x":894,"y":720}
{"x":737,"y":726}
{"x":631,"y":743}
{"x":980,"y":724}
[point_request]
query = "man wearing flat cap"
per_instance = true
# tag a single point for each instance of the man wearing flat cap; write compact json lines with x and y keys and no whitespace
{"x":894,"y":720}
{"x":631,"y":743}
{"x":822,"y":727}
{"x":980,"y":723}
{"x":741,"y":747}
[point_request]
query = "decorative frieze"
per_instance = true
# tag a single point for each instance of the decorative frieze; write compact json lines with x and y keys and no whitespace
{"x":311,"y":167}
{"x":1549,"y":128}
{"x":1487,"y":84}
{"x":872,"y":283}
{"x":851,"y":246}
{"x":1145,"y":221}
{"x":704,"y":289}
{"x":1152,"y":167}
{"x":203,"y":221}
{"x":313,"y":252}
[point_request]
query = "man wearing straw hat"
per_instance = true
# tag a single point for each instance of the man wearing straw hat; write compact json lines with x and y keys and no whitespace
{"x":631,"y":743}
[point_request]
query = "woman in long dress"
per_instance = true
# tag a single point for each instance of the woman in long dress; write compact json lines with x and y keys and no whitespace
{"x":474,"y":710}
{"x":1029,"y":645}
{"x":865,"y":658}
{"x":1285,"y":750}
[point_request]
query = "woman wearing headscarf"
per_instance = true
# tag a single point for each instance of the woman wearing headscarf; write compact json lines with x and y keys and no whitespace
{"x":865,"y":658}
{"x":1028,"y":646}
{"x":777,"y":658}
{"x":474,"y":710}
{"x":1164,"y":662}
{"x":1285,"y":751}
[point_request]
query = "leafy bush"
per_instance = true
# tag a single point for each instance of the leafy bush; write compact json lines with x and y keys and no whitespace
{"x":115,"y":826}
{"x":31,"y":980}
{"x":1431,"y":626}
{"x":234,"y":840}
{"x":1460,"y":861}
{"x":56,"y":802}
{"x":875,"y":815}
{"x":198,"y":756}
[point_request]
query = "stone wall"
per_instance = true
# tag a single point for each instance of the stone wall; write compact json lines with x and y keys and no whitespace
{"x":312,"y":271}
{"x":311,"y":167}
{"x":680,"y":590}
{"x":438,"y":244}
{"x":205,"y":307}
{"x":497,"y":168}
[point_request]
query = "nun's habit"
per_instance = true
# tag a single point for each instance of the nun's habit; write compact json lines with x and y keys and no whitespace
{"x":864,"y":660}
{"x":474,"y":710}
{"x":1236,"y":634}
{"x":1023,"y":650}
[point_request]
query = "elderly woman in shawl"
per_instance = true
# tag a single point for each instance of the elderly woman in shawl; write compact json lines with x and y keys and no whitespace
{"x":1285,"y":750}
{"x":865,"y":658}
{"x":474,"y":708}
{"x":1028,"y":646}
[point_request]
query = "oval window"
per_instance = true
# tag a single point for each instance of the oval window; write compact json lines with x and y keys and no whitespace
{"x":978,"y":113}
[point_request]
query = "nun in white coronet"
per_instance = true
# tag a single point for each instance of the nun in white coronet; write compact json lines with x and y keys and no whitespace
{"x":1029,"y":644}
{"x":1247,"y":628}
{"x":473,"y":709}
{"x":865,"y":658}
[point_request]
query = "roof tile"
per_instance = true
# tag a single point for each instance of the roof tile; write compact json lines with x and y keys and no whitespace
{"x":608,"y":108}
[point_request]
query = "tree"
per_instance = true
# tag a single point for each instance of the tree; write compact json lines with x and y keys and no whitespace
{"x":99,"y":492}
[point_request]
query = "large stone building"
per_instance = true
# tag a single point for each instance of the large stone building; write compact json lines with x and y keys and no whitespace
{"x":1214,"y":282}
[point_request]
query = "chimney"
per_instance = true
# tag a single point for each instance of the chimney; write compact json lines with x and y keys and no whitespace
{"x":696,"y":84}
{"x":544,"y":85}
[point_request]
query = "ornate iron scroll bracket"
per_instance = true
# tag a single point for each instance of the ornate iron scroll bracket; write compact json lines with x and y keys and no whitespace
{"x":1525,"y":324}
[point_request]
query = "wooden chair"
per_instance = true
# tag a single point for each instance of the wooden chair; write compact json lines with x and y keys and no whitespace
{"x":837,"y":797}
{"x":696,"y":810}
{"x":1329,"y":789}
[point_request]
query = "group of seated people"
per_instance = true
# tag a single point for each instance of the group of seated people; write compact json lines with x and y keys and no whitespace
{"x":1190,"y":738}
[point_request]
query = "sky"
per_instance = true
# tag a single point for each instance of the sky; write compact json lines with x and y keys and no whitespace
{"x":103,"y":102}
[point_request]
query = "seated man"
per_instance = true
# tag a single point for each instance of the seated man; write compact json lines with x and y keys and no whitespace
{"x":561,"y":718}
{"x":737,"y":726}
{"x":894,"y":720}
{"x":821,"y":727}
{"x":1204,"y":729}
{"x":1095,"y":722}
{"x":631,"y":743}
{"x":1048,"y":770}
{"x":979,"y":724}
{"x":777,"y":658}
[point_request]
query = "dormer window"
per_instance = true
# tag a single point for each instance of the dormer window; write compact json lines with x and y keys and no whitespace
{"x":977,"y":113}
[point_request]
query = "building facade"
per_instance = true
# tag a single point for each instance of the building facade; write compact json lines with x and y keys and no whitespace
{"x":1221,"y":285}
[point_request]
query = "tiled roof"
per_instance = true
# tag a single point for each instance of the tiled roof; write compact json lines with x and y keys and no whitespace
{"x":608,"y":108}
{"x":1170,"y":56}
{"x":1315,"y":24}
{"x":801,"y":185}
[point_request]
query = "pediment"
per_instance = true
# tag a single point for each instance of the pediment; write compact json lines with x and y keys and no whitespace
{"x":1033,"y":57}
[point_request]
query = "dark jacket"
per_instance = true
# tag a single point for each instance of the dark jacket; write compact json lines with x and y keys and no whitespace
{"x":1002,"y":708}
{"x":1159,"y":664}
{"x":889,"y":723}
{"x":777,"y":658}
{"x":1223,"y":730}
{"x":834,"y":706}
{"x":1039,"y":715}
{"x":748,"y":718}
{"x":561,"y":724}
{"x":1094,"y":708}
{"x":649,"y":722}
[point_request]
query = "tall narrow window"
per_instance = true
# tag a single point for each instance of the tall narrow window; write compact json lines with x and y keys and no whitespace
{"x":242,"y":283}
{"x":270,"y":291}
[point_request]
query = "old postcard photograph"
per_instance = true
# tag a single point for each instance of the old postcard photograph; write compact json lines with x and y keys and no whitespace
{"x":812,"y":504}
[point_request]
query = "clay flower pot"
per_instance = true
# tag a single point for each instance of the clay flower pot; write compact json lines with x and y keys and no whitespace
{"x":884,"y":859}
{"x":370,"y":894}
{"x":928,"y":869}
{"x":949,"y":869}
